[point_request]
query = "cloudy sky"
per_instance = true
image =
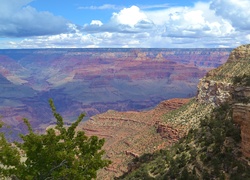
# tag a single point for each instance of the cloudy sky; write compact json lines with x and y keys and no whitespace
{"x":114,"y":24}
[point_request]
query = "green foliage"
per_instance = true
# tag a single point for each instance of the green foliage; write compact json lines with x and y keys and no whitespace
{"x":60,"y":153}
{"x":208,"y":152}
{"x":242,"y":80}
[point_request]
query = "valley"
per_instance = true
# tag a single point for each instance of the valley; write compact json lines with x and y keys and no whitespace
{"x":96,"y":80}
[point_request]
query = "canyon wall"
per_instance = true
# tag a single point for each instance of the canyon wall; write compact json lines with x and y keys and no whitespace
{"x":96,"y":80}
{"x":241,"y":115}
{"x":218,"y":86}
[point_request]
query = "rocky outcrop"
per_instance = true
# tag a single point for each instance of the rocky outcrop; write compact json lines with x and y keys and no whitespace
{"x":167,"y":131}
{"x":217,"y":87}
{"x":217,"y":93}
{"x":214,"y":92}
{"x":241,"y":115}
{"x":241,"y":93}
{"x":241,"y":53}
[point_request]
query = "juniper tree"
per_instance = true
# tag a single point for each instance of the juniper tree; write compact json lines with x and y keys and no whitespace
{"x":60,"y":153}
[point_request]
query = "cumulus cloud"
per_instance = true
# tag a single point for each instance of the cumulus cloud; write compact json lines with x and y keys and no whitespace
{"x":129,"y":16}
{"x":219,"y":23}
{"x":236,"y":11}
{"x":196,"y":26}
{"x":17,"y":19}
{"x":128,"y":20}
{"x":96,"y":23}
{"x":198,"y":21}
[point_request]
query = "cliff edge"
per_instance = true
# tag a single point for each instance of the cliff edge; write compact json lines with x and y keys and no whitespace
{"x":231,"y":83}
{"x":218,"y":85}
{"x":217,"y":144}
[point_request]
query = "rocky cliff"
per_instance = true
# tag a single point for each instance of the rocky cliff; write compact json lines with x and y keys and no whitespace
{"x":215,"y":147}
{"x":217,"y":86}
{"x":241,"y":115}
{"x":230,"y":83}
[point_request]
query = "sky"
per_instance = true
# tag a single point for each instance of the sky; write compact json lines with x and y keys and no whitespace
{"x":124,"y":24}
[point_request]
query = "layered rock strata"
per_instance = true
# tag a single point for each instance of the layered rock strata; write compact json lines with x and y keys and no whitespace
{"x":241,"y":115}
{"x":131,"y":134}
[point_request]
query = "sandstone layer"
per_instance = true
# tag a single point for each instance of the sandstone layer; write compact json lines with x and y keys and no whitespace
{"x":241,"y":115}
{"x":96,"y":80}
{"x":131,"y":134}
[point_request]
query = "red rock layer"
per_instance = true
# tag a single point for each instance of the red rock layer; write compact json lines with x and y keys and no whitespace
{"x":131,"y":134}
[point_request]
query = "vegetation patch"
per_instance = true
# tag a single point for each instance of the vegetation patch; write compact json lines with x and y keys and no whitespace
{"x":60,"y":153}
{"x":210,"y":151}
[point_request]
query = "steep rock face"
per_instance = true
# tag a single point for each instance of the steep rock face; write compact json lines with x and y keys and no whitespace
{"x":241,"y":115}
{"x":218,"y":87}
{"x":214,"y":92}
{"x":241,"y":53}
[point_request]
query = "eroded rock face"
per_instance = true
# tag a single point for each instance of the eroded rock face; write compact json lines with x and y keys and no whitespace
{"x":167,"y":131}
{"x":240,"y":53}
{"x":216,"y":87}
{"x":131,"y":134}
{"x":241,"y":115}
{"x":241,"y":93}
{"x":218,"y":91}
{"x":214,"y":92}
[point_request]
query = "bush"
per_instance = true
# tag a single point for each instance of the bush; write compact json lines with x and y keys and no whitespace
{"x":60,"y":153}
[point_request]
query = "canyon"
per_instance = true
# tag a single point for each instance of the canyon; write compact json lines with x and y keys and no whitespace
{"x":96,"y":80}
{"x":119,"y":90}
{"x":133,"y":134}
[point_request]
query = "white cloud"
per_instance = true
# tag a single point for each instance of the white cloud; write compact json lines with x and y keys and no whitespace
{"x":201,"y":25}
{"x":236,"y":11}
{"x":129,"y":16}
{"x":96,"y":22}
{"x":17,"y":19}
{"x":196,"y":22}
{"x":128,"y":20}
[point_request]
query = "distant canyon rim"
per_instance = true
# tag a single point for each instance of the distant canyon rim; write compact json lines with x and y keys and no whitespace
{"x":96,"y":80}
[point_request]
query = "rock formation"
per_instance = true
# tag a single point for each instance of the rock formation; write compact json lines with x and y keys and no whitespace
{"x":131,"y":134}
{"x":211,"y":149}
{"x":241,"y":115}
{"x":214,"y":92}
{"x":96,"y":80}
{"x":241,"y":53}
{"x":218,"y":87}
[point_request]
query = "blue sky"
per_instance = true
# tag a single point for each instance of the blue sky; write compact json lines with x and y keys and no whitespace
{"x":132,"y":24}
